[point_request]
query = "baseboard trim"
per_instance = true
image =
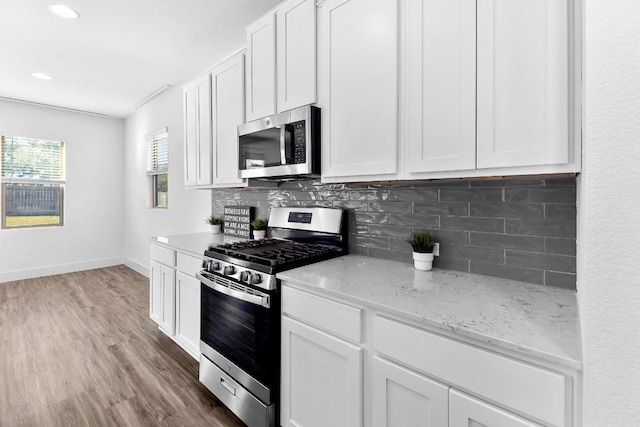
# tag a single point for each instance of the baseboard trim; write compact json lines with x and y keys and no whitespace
{"x":59,"y":269}
{"x":136,"y":266}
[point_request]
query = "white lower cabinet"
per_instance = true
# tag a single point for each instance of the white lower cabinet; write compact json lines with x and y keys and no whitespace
{"x":321,"y":378}
{"x":466,"y":411}
{"x":188,"y":313}
{"x":155,"y":291}
{"x":162,"y":290}
{"x":168,"y":286}
{"x":174,"y":296}
{"x":411,"y":376}
{"x":402,"y":398}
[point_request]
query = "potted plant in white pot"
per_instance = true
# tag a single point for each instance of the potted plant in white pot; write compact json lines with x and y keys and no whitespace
{"x":422,"y":244}
{"x":259,"y":228}
{"x":215,"y":223}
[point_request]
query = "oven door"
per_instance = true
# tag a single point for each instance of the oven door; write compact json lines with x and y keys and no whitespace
{"x":240,"y":333}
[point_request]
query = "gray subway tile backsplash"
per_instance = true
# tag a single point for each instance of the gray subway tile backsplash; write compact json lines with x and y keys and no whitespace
{"x":530,"y":275}
{"x":493,"y":225}
{"x":533,"y":227}
{"x":560,"y":280}
{"x":560,"y":263}
{"x":495,"y":195}
{"x":515,"y":228}
{"x":553,"y":245}
{"x":507,"y":210}
{"x":541,"y":195}
{"x":507,"y":241}
{"x":561,"y":212}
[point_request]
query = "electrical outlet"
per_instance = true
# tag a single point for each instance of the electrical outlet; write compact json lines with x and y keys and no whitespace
{"x":436,"y":249}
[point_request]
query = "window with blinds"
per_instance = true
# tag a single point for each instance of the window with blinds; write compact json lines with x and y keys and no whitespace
{"x":32,"y":179}
{"x":158,"y":167}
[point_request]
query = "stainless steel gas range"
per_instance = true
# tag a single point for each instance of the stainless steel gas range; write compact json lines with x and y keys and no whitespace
{"x":240,"y":307}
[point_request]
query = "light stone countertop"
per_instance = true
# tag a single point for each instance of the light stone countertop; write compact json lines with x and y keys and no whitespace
{"x":531,"y":319}
{"x":193,"y":243}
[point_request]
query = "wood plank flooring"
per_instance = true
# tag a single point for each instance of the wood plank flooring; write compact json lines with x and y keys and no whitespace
{"x":80,"y":349}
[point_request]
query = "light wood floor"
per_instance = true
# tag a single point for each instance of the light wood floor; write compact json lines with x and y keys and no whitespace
{"x":80,"y":349}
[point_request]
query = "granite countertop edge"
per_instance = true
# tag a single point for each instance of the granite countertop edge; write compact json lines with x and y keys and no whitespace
{"x":192,"y":243}
{"x":493,"y":311}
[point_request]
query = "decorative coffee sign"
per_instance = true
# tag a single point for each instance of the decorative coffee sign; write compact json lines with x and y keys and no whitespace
{"x":237,"y":221}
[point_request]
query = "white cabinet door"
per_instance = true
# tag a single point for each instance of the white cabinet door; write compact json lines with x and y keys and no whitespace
{"x":441,"y":85}
{"x":155,"y":291}
{"x":188,"y":313}
{"x":321,"y":378}
{"x":261,"y":68}
{"x":228,"y":112}
{"x":358,"y":86}
{"x":197,"y":132}
{"x":466,"y":411}
{"x":168,"y":289}
{"x":402,"y":398}
{"x":190,"y":135}
{"x":523,"y":83}
{"x":203,"y":114}
{"x":296,"y":54}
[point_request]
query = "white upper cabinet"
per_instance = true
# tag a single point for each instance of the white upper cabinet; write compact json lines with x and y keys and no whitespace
{"x":523,"y":83}
{"x":358,"y":87}
{"x":296,"y":54}
{"x":441,"y":85}
{"x":190,"y":138}
{"x":213,"y":109}
{"x":197,"y":131}
{"x":486,"y":87}
{"x":261,"y":68}
{"x":281,"y":60}
{"x":227,"y":94}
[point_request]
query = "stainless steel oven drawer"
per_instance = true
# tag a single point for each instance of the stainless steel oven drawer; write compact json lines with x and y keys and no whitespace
{"x":242,"y":403}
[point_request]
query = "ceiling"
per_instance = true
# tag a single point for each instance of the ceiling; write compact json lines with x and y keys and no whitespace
{"x":118,"y":52}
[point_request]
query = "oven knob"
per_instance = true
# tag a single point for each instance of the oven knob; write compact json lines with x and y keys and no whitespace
{"x":205,"y":264}
{"x":229,"y":270}
{"x":244,"y":276}
{"x":255,"y":278}
{"x":214,"y":265}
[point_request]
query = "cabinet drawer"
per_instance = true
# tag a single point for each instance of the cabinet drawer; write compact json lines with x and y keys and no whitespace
{"x":163,"y":255}
{"x":188,"y":264}
{"x":522,"y":387}
{"x":334,"y":317}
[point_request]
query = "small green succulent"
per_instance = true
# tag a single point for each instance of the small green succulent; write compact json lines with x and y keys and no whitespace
{"x":422,"y":242}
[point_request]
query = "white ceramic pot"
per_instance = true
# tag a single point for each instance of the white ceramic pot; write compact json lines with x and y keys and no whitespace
{"x":259,"y":234}
{"x":215,"y":229}
{"x":422,"y":261}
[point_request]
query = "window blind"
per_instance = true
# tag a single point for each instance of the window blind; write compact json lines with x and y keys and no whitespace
{"x":158,"y":154}
{"x":26,"y":159}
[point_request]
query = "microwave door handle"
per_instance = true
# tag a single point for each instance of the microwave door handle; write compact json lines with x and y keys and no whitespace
{"x":283,"y":151}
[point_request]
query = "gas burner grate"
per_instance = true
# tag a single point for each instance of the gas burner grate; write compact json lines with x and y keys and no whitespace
{"x":274,"y":252}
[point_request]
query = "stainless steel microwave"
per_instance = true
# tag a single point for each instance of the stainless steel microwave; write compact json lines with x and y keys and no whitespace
{"x":282,"y":145}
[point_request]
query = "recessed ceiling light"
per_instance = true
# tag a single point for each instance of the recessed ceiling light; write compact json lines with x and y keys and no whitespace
{"x":41,"y":76}
{"x":63,"y":11}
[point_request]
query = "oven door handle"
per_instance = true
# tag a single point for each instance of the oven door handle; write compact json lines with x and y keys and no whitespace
{"x":253,"y":299}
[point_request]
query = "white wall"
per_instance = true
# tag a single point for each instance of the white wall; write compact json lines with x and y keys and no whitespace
{"x":187,"y":208}
{"x":609,"y":212}
{"x":92,"y":233}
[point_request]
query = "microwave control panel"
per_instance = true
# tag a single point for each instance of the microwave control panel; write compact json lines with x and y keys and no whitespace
{"x":299,"y":143}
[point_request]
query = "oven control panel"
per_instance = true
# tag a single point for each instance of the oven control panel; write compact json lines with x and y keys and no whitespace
{"x":241,"y":274}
